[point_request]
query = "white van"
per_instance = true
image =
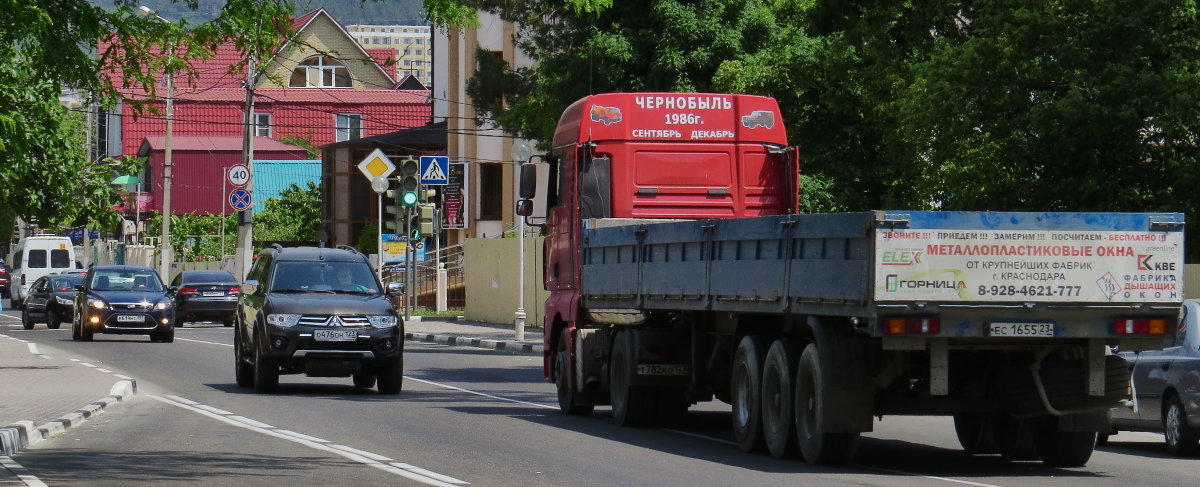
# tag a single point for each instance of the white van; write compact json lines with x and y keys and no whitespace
{"x":34,"y":257}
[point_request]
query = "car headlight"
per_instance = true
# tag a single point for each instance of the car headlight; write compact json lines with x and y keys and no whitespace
{"x":283,"y":320}
{"x":64,"y":301}
{"x":161,"y":305}
{"x":97,"y":303}
{"x":382,"y":321}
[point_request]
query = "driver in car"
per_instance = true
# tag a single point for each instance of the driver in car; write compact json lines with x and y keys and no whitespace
{"x":345,"y":281}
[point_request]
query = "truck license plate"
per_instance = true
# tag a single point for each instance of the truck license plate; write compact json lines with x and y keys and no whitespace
{"x":1021,"y":329}
{"x":662,"y":369}
{"x":335,"y":335}
{"x":130,"y":319}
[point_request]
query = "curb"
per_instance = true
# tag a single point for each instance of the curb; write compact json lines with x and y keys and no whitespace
{"x":16,"y":436}
{"x":525,"y":348}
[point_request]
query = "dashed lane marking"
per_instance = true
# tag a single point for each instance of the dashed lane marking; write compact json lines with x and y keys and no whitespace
{"x":364,"y":457}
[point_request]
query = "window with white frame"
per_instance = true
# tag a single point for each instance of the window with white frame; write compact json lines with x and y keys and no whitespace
{"x":262,"y":124}
{"x":320,"y":72}
{"x":347,"y":126}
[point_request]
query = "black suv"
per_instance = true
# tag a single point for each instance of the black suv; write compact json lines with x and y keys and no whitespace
{"x":320,"y":312}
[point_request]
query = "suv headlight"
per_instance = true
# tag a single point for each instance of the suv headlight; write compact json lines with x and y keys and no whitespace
{"x":283,"y":320}
{"x":97,"y":303}
{"x":382,"y":321}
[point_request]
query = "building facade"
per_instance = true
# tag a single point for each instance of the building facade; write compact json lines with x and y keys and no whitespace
{"x":412,"y":45}
{"x":320,"y":87}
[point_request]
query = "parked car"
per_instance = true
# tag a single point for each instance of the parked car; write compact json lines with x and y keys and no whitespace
{"x":5,"y":279}
{"x":319,"y":312}
{"x":205,"y":295}
{"x":1166,"y":387}
{"x":123,"y":299}
{"x":51,"y":300}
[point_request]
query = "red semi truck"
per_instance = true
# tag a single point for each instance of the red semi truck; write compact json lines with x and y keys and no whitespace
{"x":680,"y":271}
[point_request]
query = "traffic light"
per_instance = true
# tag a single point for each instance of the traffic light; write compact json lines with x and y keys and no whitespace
{"x":427,"y":212}
{"x":393,"y":209}
{"x":410,"y":181}
{"x":414,"y":227}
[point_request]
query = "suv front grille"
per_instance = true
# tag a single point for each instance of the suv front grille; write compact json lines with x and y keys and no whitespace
{"x":328,"y":320}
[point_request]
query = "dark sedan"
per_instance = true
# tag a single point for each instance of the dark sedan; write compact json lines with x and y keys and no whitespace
{"x":50,"y":300}
{"x":1166,"y":387}
{"x":204,"y":295}
{"x":123,"y":299}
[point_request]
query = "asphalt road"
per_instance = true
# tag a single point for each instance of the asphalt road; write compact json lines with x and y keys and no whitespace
{"x":470,"y":417}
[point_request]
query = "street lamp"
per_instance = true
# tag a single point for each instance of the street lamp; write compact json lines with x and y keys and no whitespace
{"x":164,"y":266}
{"x":520,"y":152}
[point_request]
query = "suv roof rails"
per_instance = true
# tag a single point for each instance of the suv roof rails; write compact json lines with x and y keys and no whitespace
{"x":276,"y":246}
{"x":348,"y":247}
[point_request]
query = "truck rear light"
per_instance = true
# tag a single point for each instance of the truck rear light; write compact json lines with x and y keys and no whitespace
{"x":1140,"y":326}
{"x":912,"y":325}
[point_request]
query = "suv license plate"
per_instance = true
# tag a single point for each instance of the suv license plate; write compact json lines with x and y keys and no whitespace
{"x":1021,"y":329}
{"x":130,"y":318}
{"x":335,"y":335}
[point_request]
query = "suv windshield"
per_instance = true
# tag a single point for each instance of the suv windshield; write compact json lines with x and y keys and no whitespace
{"x":309,"y":276}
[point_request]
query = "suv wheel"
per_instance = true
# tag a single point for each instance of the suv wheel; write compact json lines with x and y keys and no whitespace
{"x":364,"y":379}
{"x":266,"y":376}
{"x":391,"y":377}
{"x":243,"y":370}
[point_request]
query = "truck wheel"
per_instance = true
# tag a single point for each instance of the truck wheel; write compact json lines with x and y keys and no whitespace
{"x":391,"y":377}
{"x":816,"y":445}
{"x":244,"y":371}
{"x":266,"y":375}
{"x":1060,"y":448}
{"x":568,"y":400}
{"x":631,"y":406}
{"x":745,"y":390}
{"x":975,"y":433}
{"x":1014,"y":437}
{"x":1181,"y":438}
{"x":778,"y":377}
{"x":85,"y":333}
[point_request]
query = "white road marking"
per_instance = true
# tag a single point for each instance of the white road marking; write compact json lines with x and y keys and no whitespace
{"x":32,"y":348}
{"x":16,"y":468}
{"x":230,"y":345}
{"x":372,"y":456}
{"x":427,"y":473}
{"x":359,"y":456}
{"x":301,"y":436}
{"x":548,"y":406}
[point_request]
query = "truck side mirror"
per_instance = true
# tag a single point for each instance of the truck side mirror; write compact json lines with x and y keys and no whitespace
{"x":524,"y":207}
{"x":528,"y":182}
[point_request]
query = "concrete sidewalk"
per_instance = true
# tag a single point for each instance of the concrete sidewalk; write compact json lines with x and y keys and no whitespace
{"x":459,"y":332}
{"x":43,"y":392}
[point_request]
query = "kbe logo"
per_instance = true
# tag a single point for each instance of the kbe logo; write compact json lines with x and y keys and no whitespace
{"x":1144,"y":264}
{"x":901,"y":257}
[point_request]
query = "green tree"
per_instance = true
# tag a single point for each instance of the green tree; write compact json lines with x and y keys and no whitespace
{"x":294,"y":216}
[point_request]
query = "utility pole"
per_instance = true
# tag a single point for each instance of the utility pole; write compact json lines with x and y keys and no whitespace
{"x":165,"y":253}
{"x":245,"y":228}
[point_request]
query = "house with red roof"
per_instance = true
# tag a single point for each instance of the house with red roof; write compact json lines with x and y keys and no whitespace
{"x":320,"y":87}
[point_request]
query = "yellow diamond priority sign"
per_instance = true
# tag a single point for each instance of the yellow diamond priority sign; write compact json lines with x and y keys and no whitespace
{"x":376,"y":165}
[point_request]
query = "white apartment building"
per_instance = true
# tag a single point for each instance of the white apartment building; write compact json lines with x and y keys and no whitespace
{"x":414,"y":54}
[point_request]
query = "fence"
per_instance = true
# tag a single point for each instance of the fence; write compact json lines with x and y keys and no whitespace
{"x":426,"y":288}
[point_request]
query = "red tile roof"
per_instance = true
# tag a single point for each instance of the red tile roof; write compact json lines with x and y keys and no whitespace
{"x":189,"y":143}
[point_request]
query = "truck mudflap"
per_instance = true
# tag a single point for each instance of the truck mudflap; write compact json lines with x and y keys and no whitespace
{"x":1059,"y":387}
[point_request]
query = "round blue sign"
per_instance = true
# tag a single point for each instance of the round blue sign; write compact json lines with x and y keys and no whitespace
{"x":239,"y":199}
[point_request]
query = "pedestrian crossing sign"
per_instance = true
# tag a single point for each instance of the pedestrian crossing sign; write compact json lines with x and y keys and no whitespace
{"x":435,"y":170}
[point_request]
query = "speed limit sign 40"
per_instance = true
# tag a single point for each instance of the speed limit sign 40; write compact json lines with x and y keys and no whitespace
{"x":239,"y":175}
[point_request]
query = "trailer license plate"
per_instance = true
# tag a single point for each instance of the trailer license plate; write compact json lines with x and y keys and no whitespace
{"x":662,"y":369}
{"x":130,"y":318}
{"x":1021,"y":329}
{"x":335,"y":335}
